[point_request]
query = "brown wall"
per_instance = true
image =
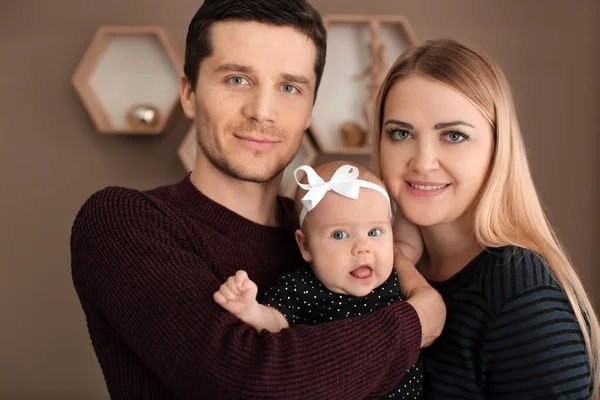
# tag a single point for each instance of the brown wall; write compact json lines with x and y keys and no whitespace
{"x":52,"y":159}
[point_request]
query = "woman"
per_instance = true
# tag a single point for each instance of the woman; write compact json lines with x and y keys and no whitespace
{"x":448,"y":146}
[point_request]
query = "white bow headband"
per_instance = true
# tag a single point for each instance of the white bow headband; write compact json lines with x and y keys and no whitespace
{"x":344,"y":181}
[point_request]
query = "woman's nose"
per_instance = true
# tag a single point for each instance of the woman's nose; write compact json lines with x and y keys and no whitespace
{"x":425,"y":159}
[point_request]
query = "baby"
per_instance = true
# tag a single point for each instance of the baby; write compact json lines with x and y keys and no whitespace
{"x":346,"y":236}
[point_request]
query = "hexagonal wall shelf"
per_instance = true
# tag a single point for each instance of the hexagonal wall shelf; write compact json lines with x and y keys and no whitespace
{"x":128,"y":79}
{"x":360,"y":51}
{"x":306,"y":155}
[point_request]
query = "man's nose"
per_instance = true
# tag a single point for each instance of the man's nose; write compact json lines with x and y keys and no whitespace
{"x":261,"y":106}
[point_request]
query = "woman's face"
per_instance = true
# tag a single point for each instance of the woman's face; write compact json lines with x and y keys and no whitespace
{"x":436,"y":148}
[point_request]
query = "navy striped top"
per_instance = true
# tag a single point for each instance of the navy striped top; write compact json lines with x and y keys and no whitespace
{"x":510,"y":334}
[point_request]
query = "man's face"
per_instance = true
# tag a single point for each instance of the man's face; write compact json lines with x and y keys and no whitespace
{"x":253,"y":99}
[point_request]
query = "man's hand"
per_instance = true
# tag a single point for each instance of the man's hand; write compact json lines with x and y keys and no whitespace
{"x":426,"y":300}
{"x":238,"y":296}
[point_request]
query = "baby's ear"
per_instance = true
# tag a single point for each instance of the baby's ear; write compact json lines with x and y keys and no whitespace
{"x":303,"y":245}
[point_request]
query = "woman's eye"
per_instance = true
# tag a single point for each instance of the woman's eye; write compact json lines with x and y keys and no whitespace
{"x":399,"y":134}
{"x":339,"y":235}
{"x":290,"y":89}
{"x":375,"y":232}
{"x":455,"y":137}
{"x":238,"y":80}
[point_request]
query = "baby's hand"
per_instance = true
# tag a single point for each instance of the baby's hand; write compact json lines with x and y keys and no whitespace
{"x":238,"y":295}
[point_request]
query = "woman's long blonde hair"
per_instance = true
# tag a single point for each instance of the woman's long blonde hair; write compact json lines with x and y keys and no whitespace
{"x":509,"y":211}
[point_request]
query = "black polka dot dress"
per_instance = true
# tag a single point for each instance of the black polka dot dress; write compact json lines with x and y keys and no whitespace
{"x":304,"y":300}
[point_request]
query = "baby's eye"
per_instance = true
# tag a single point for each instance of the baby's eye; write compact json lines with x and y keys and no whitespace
{"x":375,"y":232}
{"x":339,"y":235}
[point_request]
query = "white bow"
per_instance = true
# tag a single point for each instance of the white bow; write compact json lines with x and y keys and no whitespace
{"x":344,"y":181}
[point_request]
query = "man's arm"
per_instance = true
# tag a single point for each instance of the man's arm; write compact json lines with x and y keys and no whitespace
{"x":139,"y":273}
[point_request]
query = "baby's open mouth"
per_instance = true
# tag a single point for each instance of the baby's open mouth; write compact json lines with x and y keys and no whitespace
{"x":362,"y":272}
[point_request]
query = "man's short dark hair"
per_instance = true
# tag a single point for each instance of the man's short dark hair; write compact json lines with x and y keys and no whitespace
{"x":295,"y":13}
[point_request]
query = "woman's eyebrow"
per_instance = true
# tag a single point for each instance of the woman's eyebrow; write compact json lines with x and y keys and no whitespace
{"x":401,"y":123}
{"x":442,"y":125}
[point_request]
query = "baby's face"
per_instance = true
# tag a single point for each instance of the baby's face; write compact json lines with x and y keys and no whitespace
{"x":350,"y":242}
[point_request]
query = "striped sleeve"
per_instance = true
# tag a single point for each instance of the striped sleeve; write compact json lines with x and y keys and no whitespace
{"x":536,"y":349}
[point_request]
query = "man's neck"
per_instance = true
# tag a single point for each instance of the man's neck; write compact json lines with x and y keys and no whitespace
{"x":256,"y":202}
{"x":450,"y":247}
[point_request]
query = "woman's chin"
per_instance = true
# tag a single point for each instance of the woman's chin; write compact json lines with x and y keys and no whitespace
{"x":423,"y":219}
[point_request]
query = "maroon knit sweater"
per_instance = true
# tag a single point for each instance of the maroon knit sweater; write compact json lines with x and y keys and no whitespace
{"x":145,"y":266}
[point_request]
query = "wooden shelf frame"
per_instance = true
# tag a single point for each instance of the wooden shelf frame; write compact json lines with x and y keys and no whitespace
{"x":120,"y":64}
{"x":341,"y":96}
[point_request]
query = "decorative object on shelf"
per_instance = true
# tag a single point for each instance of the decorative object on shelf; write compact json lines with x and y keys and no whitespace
{"x":353,"y":135}
{"x":142,"y":116}
{"x":360,"y":51}
{"x":307,"y":154}
{"x":128,"y":79}
{"x":375,"y":72}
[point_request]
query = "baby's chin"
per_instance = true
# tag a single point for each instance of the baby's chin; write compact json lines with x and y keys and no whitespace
{"x":361,"y":290}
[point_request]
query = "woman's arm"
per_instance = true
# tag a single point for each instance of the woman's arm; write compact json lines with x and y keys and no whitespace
{"x":428,"y":303}
{"x":536,"y":348}
{"x":407,"y":237}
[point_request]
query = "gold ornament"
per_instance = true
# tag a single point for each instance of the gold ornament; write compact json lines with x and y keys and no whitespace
{"x":143,"y":116}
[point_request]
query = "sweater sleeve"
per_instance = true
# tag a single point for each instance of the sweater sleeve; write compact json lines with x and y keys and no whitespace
{"x":536,"y":348}
{"x":134,"y":266}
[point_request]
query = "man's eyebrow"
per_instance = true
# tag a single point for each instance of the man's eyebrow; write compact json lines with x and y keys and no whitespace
{"x":443,"y":125}
{"x":301,"y":79}
{"x":233,"y":67}
{"x":401,"y":123}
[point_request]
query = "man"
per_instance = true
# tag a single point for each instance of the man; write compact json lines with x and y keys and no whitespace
{"x":146,"y":264}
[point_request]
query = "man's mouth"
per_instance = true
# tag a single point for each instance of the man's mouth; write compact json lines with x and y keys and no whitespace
{"x":257,"y":142}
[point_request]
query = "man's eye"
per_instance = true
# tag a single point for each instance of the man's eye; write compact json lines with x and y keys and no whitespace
{"x":339,"y":235}
{"x":238,"y":80}
{"x":375,"y":232}
{"x":289,"y":89}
